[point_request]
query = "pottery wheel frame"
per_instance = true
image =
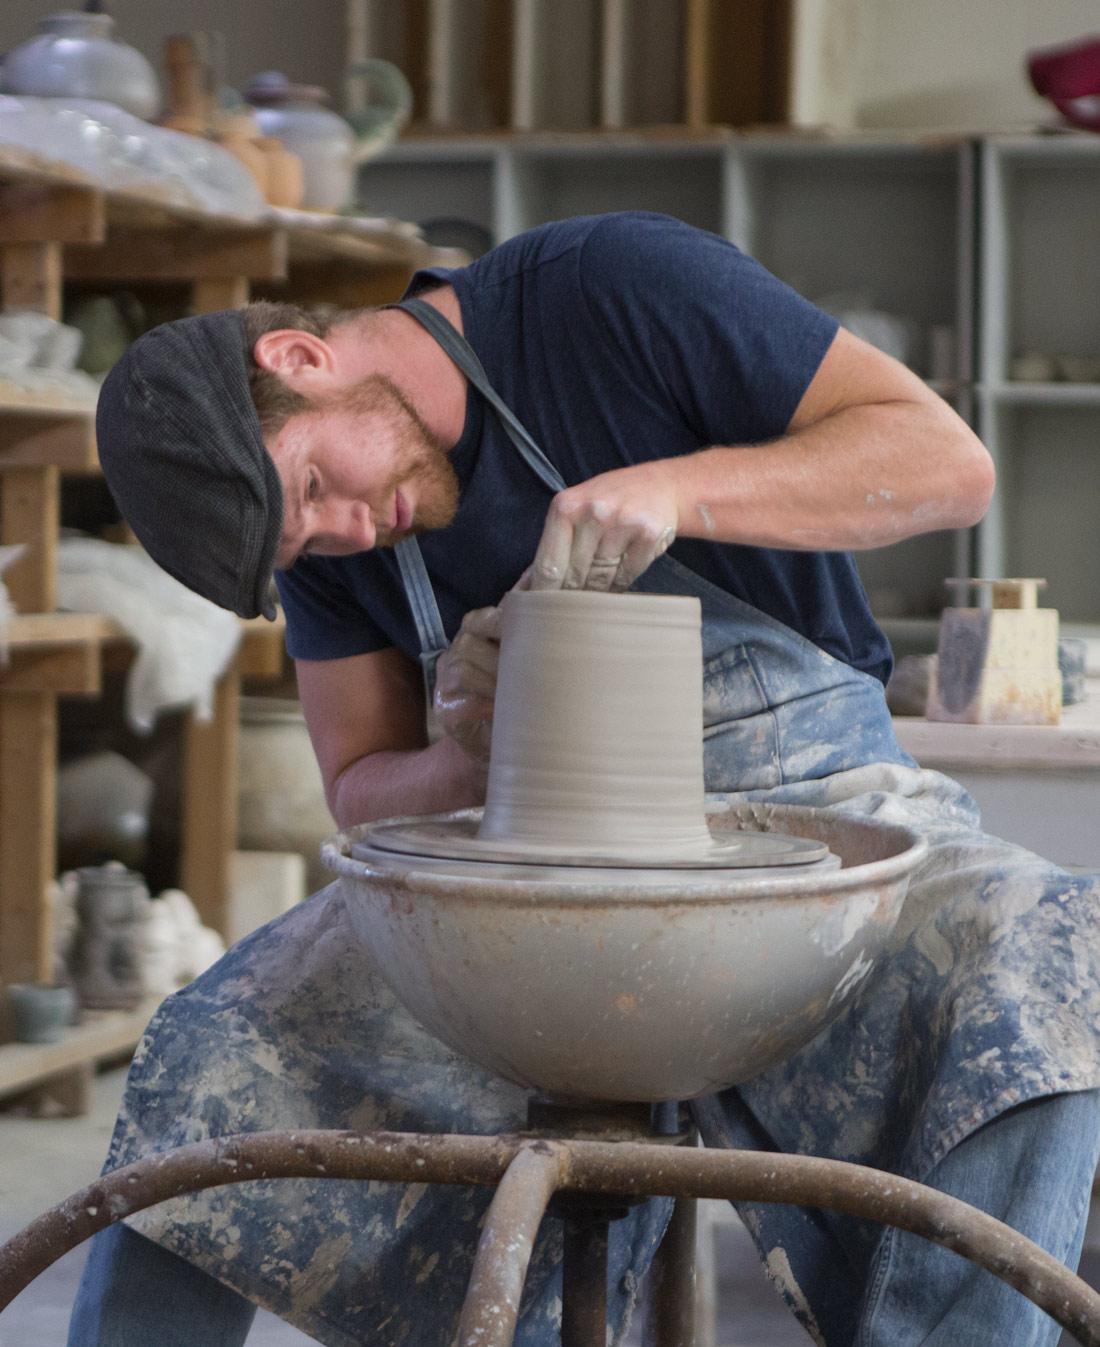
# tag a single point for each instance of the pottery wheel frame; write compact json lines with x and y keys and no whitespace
{"x":527,"y":1171}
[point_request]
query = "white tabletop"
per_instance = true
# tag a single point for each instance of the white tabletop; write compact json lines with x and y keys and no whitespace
{"x":1074,"y":743}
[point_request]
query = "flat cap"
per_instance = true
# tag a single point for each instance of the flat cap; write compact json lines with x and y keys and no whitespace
{"x":183,"y":454}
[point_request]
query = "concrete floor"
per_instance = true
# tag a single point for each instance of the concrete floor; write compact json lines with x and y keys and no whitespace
{"x":43,"y":1160}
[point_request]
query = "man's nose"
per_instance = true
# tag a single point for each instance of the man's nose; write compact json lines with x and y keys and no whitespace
{"x":359,"y":527}
{"x":346,"y":527}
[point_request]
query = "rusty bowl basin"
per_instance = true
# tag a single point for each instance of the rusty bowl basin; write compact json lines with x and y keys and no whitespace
{"x":605,"y":984}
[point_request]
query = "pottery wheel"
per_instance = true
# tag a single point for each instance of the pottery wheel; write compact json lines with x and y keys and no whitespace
{"x":447,"y":837}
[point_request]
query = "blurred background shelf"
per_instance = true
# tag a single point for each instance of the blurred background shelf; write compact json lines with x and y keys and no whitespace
{"x":60,"y":237}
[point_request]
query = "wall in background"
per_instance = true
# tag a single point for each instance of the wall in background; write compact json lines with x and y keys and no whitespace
{"x":946,"y":63}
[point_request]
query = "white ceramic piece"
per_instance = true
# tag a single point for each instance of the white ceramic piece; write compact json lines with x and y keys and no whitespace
{"x":75,"y":55}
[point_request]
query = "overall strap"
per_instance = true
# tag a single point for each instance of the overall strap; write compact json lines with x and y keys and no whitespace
{"x":465,"y":357}
{"x":414,"y":574}
{"x":421,"y":597}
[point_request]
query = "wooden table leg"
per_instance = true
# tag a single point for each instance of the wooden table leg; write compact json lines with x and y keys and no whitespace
{"x":28,"y":848}
{"x":209,"y":824}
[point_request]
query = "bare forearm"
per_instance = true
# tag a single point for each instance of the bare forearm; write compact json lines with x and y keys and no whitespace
{"x":418,"y":781}
{"x":864,"y":477}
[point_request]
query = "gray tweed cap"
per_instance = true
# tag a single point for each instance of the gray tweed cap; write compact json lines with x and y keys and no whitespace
{"x":182,"y":452}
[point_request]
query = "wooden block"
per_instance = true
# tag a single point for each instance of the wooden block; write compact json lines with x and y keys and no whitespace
{"x":1022,"y":638}
{"x":997,"y":666}
{"x":33,"y":211}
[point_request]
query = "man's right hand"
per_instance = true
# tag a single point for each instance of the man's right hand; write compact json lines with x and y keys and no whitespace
{"x":466,"y":681}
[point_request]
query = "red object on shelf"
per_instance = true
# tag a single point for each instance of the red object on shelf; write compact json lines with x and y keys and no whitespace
{"x":1070,"y":77}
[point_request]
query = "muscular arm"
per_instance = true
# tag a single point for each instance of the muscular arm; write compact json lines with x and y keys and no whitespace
{"x":366,"y":720}
{"x":871,"y":456}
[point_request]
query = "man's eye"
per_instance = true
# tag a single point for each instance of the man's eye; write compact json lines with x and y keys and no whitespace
{"x":311,"y":489}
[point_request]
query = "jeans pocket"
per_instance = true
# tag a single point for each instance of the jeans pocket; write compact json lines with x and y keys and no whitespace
{"x":731,"y":689}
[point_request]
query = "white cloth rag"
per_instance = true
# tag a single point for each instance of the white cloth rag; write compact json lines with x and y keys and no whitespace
{"x":184,"y":642}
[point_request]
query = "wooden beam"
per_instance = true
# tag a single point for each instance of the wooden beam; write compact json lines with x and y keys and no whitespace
{"x":337,"y":283}
{"x":73,"y":670}
{"x":697,"y":35}
{"x":208,"y":829}
{"x":42,"y":440}
{"x":30,"y":277}
{"x":189,"y":253}
{"x":29,"y":510}
{"x":212,"y":295}
{"x":28,"y":807}
{"x":33,"y":211}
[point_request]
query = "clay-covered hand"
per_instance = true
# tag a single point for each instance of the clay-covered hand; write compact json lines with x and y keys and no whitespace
{"x":466,"y":681}
{"x":605,"y":532}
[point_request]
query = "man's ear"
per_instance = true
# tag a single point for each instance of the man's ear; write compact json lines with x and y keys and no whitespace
{"x":305,"y":362}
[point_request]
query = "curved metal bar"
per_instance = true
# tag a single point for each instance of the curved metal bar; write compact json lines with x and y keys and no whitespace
{"x":606,"y":1167}
{"x":491,"y":1308}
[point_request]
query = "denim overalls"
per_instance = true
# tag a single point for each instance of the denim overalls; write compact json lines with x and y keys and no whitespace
{"x":988,"y":996}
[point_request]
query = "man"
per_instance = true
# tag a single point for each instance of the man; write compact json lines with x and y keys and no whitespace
{"x":695,"y":427}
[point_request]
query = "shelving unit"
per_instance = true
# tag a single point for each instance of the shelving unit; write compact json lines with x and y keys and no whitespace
{"x":1040,"y":274}
{"x":891,"y":217}
{"x":56,"y":228}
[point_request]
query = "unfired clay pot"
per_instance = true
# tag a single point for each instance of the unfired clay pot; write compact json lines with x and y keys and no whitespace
{"x":598,"y":725}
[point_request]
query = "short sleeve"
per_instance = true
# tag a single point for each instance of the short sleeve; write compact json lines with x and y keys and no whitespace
{"x":731,"y":346}
{"x":324,"y":618}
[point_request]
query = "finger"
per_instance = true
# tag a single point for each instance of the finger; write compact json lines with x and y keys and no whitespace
{"x":475,"y":738}
{"x":643,"y":550}
{"x":588,"y":539}
{"x":547,"y":570}
{"x":483,"y":623}
{"x":462,"y":677}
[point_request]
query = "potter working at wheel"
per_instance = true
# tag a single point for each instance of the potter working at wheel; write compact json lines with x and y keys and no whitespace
{"x":603,"y":404}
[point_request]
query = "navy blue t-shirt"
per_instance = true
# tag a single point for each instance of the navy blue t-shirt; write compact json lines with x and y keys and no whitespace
{"x":615,"y":339}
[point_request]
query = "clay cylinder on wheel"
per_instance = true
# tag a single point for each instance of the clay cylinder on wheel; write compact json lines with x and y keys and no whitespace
{"x":598,"y":724}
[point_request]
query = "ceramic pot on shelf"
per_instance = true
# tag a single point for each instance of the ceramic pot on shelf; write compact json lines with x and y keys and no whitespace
{"x":42,"y":1010}
{"x":285,"y":177}
{"x":75,"y":55}
{"x":112,"y":903}
{"x":238,"y":133}
{"x":329,"y":145}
